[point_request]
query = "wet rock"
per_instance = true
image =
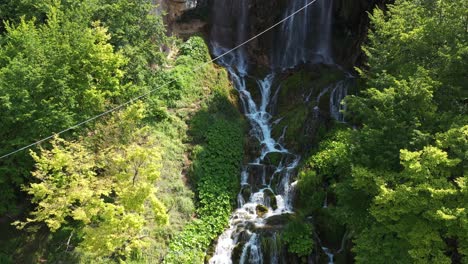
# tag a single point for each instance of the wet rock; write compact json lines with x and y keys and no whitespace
{"x":278,"y":220}
{"x":270,"y":199}
{"x":273,"y":158}
{"x":275,"y":249}
{"x":246,"y":192}
{"x":261,"y":210}
{"x":237,"y":252}
{"x":259,"y":175}
{"x":185,"y":30}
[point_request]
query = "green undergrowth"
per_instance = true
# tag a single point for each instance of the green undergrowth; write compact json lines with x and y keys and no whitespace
{"x":298,"y":116}
{"x":186,"y":99}
{"x":202,"y":94}
{"x":169,"y":113}
{"x":298,"y":237}
{"x":217,"y":130}
{"x":185,"y":104}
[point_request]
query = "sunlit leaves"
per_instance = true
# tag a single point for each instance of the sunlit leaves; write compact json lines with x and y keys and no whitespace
{"x":109,"y":190}
{"x":215,"y":170}
{"x":298,"y":237}
{"x":404,"y":192}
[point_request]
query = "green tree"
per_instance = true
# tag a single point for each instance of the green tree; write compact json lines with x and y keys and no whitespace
{"x":51,"y":77}
{"x":399,"y":178}
{"x":64,"y":62}
{"x":107,"y":192}
{"x":399,"y":116}
{"x":137,"y":30}
{"x":419,"y":210}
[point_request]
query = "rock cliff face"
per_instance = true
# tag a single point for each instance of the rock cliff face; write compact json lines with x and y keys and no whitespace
{"x":308,"y":89}
{"x":349,"y":28}
{"x":291,"y":81}
{"x":175,"y":11}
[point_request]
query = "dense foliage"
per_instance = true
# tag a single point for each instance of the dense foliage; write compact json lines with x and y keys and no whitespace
{"x":60,"y":65}
{"x":217,"y":164}
{"x":398,"y":181}
{"x":106,"y":189}
{"x":51,"y":76}
{"x":393,"y":180}
{"x":111,"y":191}
{"x":297,"y":236}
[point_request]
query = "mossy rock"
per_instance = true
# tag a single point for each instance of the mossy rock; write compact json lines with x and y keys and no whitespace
{"x":292,"y":90}
{"x":259,"y":70}
{"x":246,"y":192}
{"x":275,"y":180}
{"x":344,"y":256}
{"x":210,"y":252}
{"x":269,"y":243}
{"x":256,"y":174}
{"x":279,"y":220}
{"x":294,"y":111}
{"x":270,"y":198}
{"x":328,"y":228}
{"x":294,"y":120}
{"x":251,"y":148}
{"x":254,"y":90}
{"x":273,"y":158}
{"x":309,"y":81}
{"x":261,"y":210}
{"x":237,"y":252}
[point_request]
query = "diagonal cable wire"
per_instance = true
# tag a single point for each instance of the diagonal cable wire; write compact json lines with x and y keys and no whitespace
{"x":159,"y":87}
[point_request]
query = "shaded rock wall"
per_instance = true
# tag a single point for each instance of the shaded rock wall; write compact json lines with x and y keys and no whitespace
{"x":350,"y":29}
{"x":177,"y":17}
{"x":350,"y":25}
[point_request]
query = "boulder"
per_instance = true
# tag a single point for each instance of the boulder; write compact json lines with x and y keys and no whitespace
{"x":261,"y":210}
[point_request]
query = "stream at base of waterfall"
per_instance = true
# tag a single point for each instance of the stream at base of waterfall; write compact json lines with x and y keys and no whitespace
{"x":267,"y":188}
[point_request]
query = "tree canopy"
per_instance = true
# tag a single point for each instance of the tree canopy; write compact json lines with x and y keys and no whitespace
{"x":398,"y":179}
{"x":107,"y":188}
{"x":62,"y":64}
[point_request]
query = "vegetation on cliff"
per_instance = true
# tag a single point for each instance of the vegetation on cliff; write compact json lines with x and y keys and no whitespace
{"x":157,"y":180}
{"x":113,"y":190}
{"x":397,"y":181}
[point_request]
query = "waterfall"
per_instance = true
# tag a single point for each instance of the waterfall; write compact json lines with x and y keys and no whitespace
{"x":252,"y":252}
{"x":329,"y":255}
{"x":257,"y":175}
{"x":274,"y":259}
{"x":230,"y":30}
{"x":339,"y":91}
{"x":305,"y":37}
{"x":324,"y":31}
{"x":191,"y":4}
{"x":267,"y":187}
{"x":336,"y":97}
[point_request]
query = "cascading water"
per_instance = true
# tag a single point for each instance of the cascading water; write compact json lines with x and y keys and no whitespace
{"x":305,"y":37}
{"x":258,"y":176}
{"x":266,"y":187}
{"x":338,"y":93}
{"x":191,"y":4}
{"x":252,"y":251}
{"x":230,"y":30}
{"x":329,"y":255}
{"x":323,"y":47}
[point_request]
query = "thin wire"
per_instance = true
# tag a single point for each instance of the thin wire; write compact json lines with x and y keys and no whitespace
{"x":159,"y":87}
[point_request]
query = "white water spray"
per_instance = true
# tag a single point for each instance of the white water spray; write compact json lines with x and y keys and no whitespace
{"x":260,"y":179}
{"x":305,"y":37}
